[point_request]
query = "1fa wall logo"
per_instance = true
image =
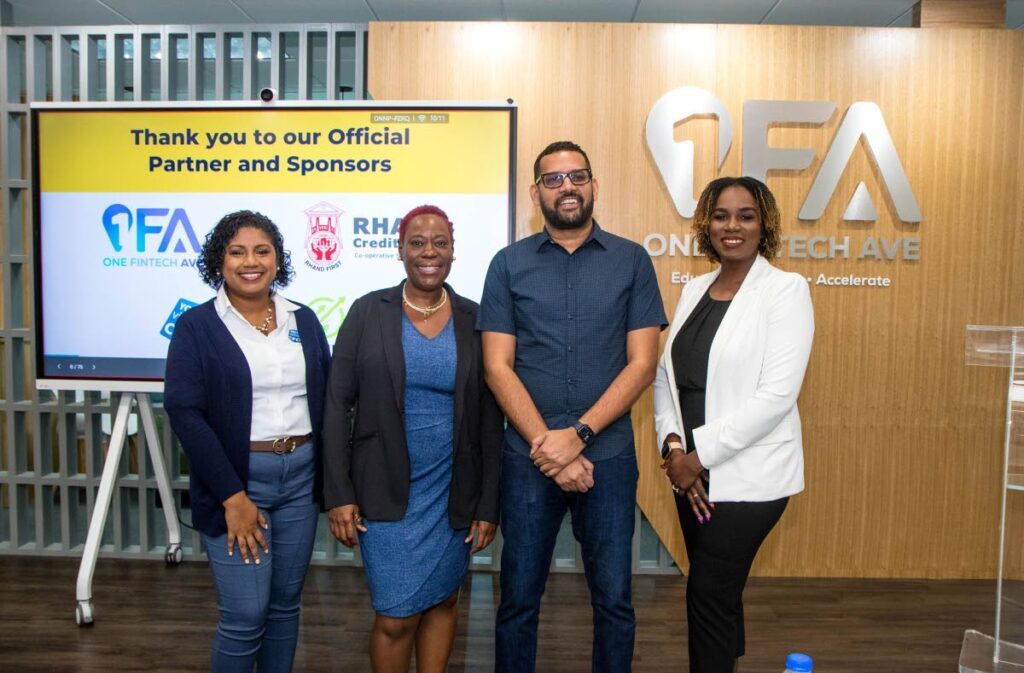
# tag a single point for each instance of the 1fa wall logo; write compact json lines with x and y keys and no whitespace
{"x":862,"y":120}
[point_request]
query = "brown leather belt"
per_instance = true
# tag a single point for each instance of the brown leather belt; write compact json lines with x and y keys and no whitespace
{"x":281,"y":444}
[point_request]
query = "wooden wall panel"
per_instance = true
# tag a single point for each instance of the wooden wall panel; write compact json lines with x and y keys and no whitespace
{"x":902,"y":440}
{"x":959,"y":14}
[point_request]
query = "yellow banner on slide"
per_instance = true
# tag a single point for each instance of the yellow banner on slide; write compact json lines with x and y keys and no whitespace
{"x":448,"y":150}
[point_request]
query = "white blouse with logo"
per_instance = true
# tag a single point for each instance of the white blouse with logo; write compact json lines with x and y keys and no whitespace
{"x":278,"y":369}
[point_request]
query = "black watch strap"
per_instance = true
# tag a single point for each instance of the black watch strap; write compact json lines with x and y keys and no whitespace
{"x":584,"y":432}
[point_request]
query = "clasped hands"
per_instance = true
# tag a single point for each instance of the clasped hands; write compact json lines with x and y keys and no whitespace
{"x":557,"y":454}
{"x":687,"y":475}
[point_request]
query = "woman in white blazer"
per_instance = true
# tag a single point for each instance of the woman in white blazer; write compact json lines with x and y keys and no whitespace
{"x":725,"y":408}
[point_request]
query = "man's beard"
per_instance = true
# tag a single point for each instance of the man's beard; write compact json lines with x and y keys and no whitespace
{"x":558,"y":221}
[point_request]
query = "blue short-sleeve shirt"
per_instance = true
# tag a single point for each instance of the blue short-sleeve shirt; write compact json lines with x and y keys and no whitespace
{"x":570,"y":315}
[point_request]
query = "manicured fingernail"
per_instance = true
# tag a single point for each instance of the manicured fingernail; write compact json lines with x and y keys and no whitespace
{"x":246,"y":561}
{"x":712,"y":505}
{"x":257,"y":561}
{"x":708,"y":518}
{"x":231,"y":553}
{"x":700,"y":519}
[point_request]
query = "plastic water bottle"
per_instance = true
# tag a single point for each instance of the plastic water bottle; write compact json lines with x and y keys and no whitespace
{"x":797,"y":662}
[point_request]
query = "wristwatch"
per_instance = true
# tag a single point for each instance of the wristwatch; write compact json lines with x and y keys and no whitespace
{"x":668,"y":447}
{"x":584,"y":432}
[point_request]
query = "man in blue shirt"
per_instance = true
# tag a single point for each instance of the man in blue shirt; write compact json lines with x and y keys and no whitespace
{"x":570,"y":319}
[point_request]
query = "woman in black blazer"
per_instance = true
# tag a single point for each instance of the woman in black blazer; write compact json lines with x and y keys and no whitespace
{"x":412,"y":443}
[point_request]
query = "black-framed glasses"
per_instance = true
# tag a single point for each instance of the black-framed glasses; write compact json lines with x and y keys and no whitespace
{"x":580,"y":176}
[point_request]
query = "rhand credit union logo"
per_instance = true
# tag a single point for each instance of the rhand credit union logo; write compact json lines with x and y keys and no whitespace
{"x":322,"y":242}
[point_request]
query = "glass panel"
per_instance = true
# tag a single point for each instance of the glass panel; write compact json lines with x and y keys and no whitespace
{"x":16,"y":91}
{"x":235,"y":49}
{"x":23,"y":368}
{"x":26,"y":507}
{"x":5,"y":515}
{"x":185,"y":516}
{"x":129,"y":519}
{"x":484,"y":558}
{"x":316,"y":84}
{"x":565,"y":546}
{"x":346,"y":66}
{"x":343,"y":553}
{"x":78,"y":516}
{"x":178,"y":465}
{"x":124,"y":68}
{"x":262,"y":53}
{"x":289,"y":63}
{"x":75,"y":458}
{"x":155,"y":522}
{"x":66,"y":451}
{"x":650,"y":545}
{"x":6,"y":450}
{"x":17,"y":214}
{"x":177,"y":73}
{"x":152,"y":55}
{"x":23,"y":459}
{"x":107,"y":539}
{"x":1011,"y":603}
{"x":47,"y":443}
{"x":20,"y":280}
{"x":17,"y":151}
{"x":206,"y":73}
{"x":322,"y":540}
{"x":70,"y":80}
{"x":43,"y":66}
{"x":97,"y":67}
{"x":51,"y":516}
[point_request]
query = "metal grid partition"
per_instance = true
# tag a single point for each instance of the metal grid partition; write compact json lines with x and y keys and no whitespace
{"x":54,"y":444}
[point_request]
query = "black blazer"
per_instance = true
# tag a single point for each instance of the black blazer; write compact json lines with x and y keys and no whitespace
{"x":366,"y":461}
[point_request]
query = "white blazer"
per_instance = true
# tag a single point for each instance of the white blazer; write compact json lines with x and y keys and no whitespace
{"x":750,"y":441}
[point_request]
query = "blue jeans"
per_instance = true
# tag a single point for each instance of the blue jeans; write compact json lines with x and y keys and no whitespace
{"x":532,"y":509}
{"x":259,"y":604}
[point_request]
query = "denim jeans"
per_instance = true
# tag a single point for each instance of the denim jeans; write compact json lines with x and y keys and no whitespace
{"x":532,"y":509}
{"x":259,"y":604}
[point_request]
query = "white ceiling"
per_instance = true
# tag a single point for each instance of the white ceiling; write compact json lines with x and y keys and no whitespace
{"x":156,"y":12}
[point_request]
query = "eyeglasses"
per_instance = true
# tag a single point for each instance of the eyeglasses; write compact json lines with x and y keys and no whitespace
{"x":580,"y":176}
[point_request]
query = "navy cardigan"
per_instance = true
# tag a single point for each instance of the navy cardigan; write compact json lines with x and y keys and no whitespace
{"x":208,"y":397}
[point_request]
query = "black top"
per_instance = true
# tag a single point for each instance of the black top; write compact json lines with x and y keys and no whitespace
{"x":366,"y":460}
{"x":690,"y":352}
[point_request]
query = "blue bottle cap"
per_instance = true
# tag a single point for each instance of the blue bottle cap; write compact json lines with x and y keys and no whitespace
{"x":799,"y":663}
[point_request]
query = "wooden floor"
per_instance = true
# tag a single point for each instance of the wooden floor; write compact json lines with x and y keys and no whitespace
{"x":154,"y":618}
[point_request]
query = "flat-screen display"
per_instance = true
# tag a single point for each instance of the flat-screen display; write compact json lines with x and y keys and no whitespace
{"x":125,"y":195}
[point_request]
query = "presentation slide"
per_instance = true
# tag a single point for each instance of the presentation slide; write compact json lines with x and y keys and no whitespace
{"x":125,"y":196}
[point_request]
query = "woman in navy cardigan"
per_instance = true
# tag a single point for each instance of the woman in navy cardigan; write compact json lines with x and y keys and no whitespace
{"x":244,"y":390}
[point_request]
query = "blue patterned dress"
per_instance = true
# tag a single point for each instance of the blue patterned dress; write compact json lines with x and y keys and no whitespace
{"x":415,"y":563}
